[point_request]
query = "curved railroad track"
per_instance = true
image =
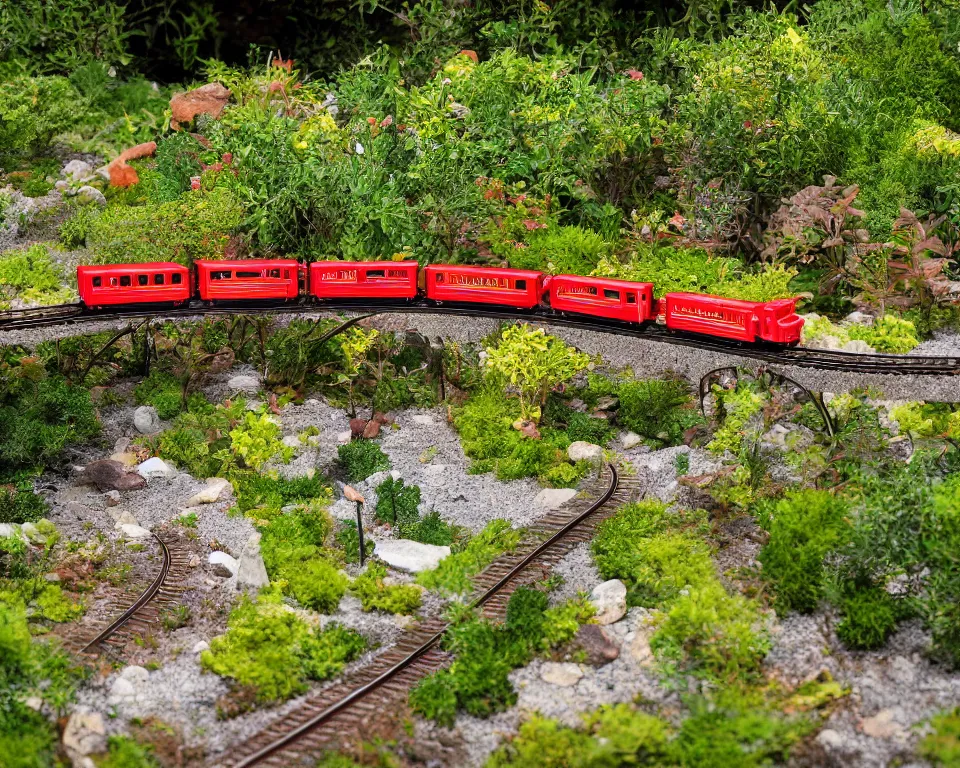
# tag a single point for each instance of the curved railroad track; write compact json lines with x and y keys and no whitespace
{"x":824,"y":359}
{"x":140,"y":616}
{"x":348,"y":712}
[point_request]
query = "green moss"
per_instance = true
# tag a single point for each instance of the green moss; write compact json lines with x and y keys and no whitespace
{"x":804,"y":528}
{"x":398,"y":505}
{"x":272,"y":650}
{"x":869,"y":618}
{"x":375,"y":595}
{"x":362,"y":458}
{"x":660,"y":410}
{"x":454,"y":573}
{"x":164,"y":392}
{"x":31,"y":276}
{"x":124,"y":752}
{"x":18,"y":505}
{"x":942,"y":746}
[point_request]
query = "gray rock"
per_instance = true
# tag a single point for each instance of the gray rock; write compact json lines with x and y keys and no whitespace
{"x":108,"y":475}
{"x":610,"y":601}
{"x":78,"y":170}
{"x":583,"y":451}
{"x":111,"y":498}
{"x":630,"y":440}
{"x":345,"y":436}
{"x":126,"y":518}
{"x":135,"y":674}
{"x":882,"y":726}
{"x":134,"y":531}
{"x":407,"y":555}
{"x":214,"y":489}
{"x":560,"y":673}
{"x":122,"y":688}
{"x":155,"y":467}
{"x":858,"y":346}
{"x":223,"y":564}
{"x":201,"y":646}
{"x":145,"y":420}
{"x":423,"y":419}
{"x":88,"y":195}
{"x":831,"y":740}
{"x":244,"y":383}
{"x":84,"y":735}
{"x":251,"y":571}
{"x":859,"y":318}
{"x":550,"y":499}
{"x":595,"y":644}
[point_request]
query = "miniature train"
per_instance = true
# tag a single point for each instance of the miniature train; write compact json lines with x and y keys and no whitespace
{"x":286,"y":280}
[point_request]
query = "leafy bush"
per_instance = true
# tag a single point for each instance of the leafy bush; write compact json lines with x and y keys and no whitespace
{"x":942,"y":745}
{"x":31,"y":277}
{"x":124,"y":752}
{"x":273,"y":651}
{"x":804,"y":528}
{"x":454,"y":572}
{"x":398,"y":505}
{"x":660,"y":410}
{"x":375,"y":595}
{"x":362,"y":458}
{"x":869,"y":618}
{"x":18,"y":505}
{"x":165,"y":393}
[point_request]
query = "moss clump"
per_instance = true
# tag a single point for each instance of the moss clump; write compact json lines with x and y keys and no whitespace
{"x":124,"y":752}
{"x":375,"y":595}
{"x":31,"y":276}
{"x":362,"y":458}
{"x":398,"y":505}
{"x":20,"y":506}
{"x":275,"y":652}
{"x":942,"y":746}
{"x":804,"y":527}
{"x":454,"y":572}
{"x":869,"y":617}
{"x":164,"y":392}
{"x":477,"y":681}
{"x":660,"y":410}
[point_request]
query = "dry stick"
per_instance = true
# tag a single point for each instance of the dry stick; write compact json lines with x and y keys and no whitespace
{"x":131,"y":330}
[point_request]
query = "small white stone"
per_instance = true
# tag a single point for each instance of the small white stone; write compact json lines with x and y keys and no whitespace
{"x":292,"y":441}
{"x":135,"y":674}
{"x":423,"y":419}
{"x":146,"y":421}
{"x":407,"y":555}
{"x":122,"y":688}
{"x":223,"y":564}
{"x":610,"y":601}
{"x":134,"y":531}
{"x":345,"y":436}
{"x":244,"y":383}
{"x":583,"y":451}
{"x":155,"y":467}
{"x":125,"y":518}
{"x":563,"y":674}
{"x":201,"y":646}
{"x":251,"y":572}
{"x":395,"y":474}
{"x":211,"y":492}
{"x":111,"y":498}
{"x":630,"y":440}
{"x":88,"y":195}
{"x":550,"y":499}
{"x":830,"y":739}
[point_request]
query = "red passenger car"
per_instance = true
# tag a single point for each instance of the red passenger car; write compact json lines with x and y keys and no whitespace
{"x":519,"y":288}
{"x":102,"y":285}
{"x":774,"y":321}
{"x":364,"y":279}
{"x":601,"y":297}
{"x":248,"y":279}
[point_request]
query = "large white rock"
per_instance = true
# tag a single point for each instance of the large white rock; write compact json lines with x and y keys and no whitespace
{"x":630,"y":440}
{"x":155,"y":467}
{"x":610,"y":601}
{"x":134,"y":531}
{"x":559,"y":673}
{"x":135,"y":674}
{"x":146,"y":421}
{"x":88,"y":195}
{"x":125,"y":518}
{"x":85,"y":734}
{"x":223,"y":564}
{"x":553,"y":498}
{"x":211,"y":492}
{"x":251,"y":571}
{"x":407,"y":555}
{"x":244,"y":383}
{"x":580,"y":451}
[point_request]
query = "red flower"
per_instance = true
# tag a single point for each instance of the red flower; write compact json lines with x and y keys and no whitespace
{"x":633,"y":74}
{"x":387,"y":121}
{"x":747,"y":124}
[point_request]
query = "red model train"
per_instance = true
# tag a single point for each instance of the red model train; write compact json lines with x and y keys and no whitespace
{"x":285,"y":280}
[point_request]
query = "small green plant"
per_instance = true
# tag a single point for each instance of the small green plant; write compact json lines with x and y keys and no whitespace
{"x":869,"y":618}
{"x":31,"y":276}
{"x":942,"y":746}
{"x":124,"y":752}
{"x":660,"y":410}
{"x":20,"y":505}
{"x":375,"y":595}
{"x":362,"y":458}
{"x":397,"y":504}
{"x":454,"y":572}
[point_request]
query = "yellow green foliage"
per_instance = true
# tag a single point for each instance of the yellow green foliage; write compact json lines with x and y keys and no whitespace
{"x":31,"y":277}
{"x":375,"y":595}
{"x":453,"y":574}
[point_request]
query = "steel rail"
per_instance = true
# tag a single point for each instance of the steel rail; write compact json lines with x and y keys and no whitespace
{"x":836,"y":360}
{"x":362,"y":691}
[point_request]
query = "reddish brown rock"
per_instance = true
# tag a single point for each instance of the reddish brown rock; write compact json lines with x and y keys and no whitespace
{"x":124,"y":175}
{"x":357,"y":426}
{"x":470,"y":55}
{"x":371,"y":430}
{"x":595,"y":645}
{"x":209,"y":99}
{"x":109,"y":475}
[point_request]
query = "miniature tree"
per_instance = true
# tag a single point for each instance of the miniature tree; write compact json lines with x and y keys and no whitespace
{"x":534,"y":363}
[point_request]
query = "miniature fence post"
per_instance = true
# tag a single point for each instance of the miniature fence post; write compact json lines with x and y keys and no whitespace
{"x":351,"y":494}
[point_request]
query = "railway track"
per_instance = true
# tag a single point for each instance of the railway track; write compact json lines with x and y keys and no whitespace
{"x":823,"y":359}
{"x":145,"y":611}
{"x":371,"y":701}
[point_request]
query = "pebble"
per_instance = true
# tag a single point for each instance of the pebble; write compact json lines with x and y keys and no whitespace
{"x":134,"y":531}
{"x":155,"y":467}
{"x":111,"y":498}
{"x":125,"y":518}
{"x":122,"y":688}
{"x":344,"y":437}
{"x":561,"y":673}
{"x":201,"y":646}
{"x":146,"y":420}
{"x":630,"y":440}
{"x":244,"y":383}
{"x":135,"y":674}
{"x":407,"y":555}
{"x":84,"y":734}
{"x":610,"y":601}
{"x":211,"y":492}
{"x":223,"y":564}
{"x":88,"y":195}
{"x":584,"y":451}
{"x":550,"y":499}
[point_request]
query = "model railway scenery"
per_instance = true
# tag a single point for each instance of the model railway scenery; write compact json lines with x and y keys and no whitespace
{"x":451,"y":384}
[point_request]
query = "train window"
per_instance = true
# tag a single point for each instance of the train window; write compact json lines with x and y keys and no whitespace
{"x":439,"y":278}
{"x":274,"y":273}
{"x":158,"y":279}
{"x":610,"y":294}
{"x":521,"y":285}
{"x":142,"y":279}
{"x":376,"y":273}
{"x":125,"y":281}
{"x":286,"y":274}
{"x":97,"y":282}
{"x":631,"y":298}
{"x":177,"y":279}
{"x":113,"y":282}
{"x":247,"y":274}
{"x":221,"y":275}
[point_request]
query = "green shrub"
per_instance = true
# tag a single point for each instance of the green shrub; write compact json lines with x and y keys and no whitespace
{"x":454,"y":572}
{"x":804,"y":528}
{"x":35,"y":109}
{"x":275,"y":652}
{"x":270,"y":494}
{"x":559,"y":251}
{"x":942,"y":746}
{"x":362,"y":458}
{"x":124,"y":752}
{"x":348,"y":541}
{"x":20,"y":506}
{"x":165,"y":393}
{"x":397,"y":504}
{"x":31,"y":276}
{"x":376,"y":596}
{"x":315,"y":584}
{"x":660,"y":410}
{"x":869,"y":618}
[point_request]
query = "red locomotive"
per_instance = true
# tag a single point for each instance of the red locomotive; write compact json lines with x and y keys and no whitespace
{"x":285,"y":280}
